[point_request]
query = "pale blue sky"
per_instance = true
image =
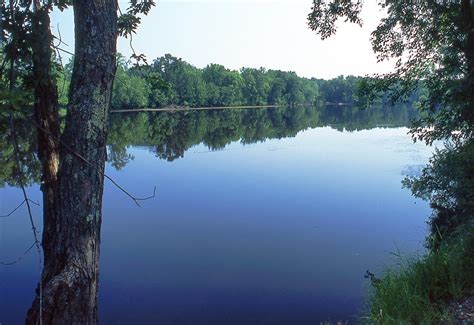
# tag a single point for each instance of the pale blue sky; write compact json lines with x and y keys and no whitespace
{"x":244,"y":33}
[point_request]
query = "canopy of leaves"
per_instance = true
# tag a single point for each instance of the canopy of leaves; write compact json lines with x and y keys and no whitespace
{"x":432,"y":44}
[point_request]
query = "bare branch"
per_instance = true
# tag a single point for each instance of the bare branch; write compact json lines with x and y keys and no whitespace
{"x":19,"y":258}
{"x":36,"y":243}
{"x":63,"y":50}
{"x":25,"y":196}
{"x":19,"y":206}
{"x":59,"y":37}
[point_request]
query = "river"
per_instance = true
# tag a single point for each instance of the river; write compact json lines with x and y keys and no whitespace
{"x":260,"y":217}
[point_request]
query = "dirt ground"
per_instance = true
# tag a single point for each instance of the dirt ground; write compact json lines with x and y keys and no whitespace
{"x":462,"y":310}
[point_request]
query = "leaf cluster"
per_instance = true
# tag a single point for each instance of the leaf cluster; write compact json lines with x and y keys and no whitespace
{"x":324,"y":15}
{"x":129,"y":21}
{"x":431,"y":45}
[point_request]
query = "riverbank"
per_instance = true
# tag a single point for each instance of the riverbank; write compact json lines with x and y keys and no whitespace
{"x":175,"y":108}
{"x":424,"y":290}
{"x":462,"y":310}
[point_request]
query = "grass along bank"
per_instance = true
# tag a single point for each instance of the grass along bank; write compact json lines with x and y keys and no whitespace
{"x":420,"y":290}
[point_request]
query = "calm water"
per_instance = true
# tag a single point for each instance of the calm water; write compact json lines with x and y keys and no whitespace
{"x":268,"y":217}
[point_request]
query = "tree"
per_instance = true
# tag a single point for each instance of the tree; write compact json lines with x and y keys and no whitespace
{"x":339,"y":90}
{"x":73,"y":162}
{"x":130,"y":91}
{"x":71,"y":234}
{"x":224,"y":85}
{"x":255,"y":86}
{"x":432,"y":43}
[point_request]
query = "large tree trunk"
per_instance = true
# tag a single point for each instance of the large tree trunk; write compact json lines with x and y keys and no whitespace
{"x":71,"y":270}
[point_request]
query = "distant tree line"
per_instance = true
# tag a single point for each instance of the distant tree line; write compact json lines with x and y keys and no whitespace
{"x":169,"y":80}
{"x":172,"y":81}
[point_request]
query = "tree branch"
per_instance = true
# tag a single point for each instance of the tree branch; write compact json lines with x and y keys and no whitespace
{"x":19,"y":206}
{"x":80,"y":157}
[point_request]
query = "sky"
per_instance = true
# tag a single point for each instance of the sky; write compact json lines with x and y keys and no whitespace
{"x":247,"y":33}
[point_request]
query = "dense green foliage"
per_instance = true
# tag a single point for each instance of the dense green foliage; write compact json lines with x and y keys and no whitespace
{"x":418,"y":291}
{"x":171,"y":81}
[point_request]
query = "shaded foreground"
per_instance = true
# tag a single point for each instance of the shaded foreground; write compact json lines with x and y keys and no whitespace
{"x":421,"y":290}
{"x":425,"y":289}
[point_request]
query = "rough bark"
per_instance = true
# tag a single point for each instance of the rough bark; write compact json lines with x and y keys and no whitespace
{"x":71,"y":270}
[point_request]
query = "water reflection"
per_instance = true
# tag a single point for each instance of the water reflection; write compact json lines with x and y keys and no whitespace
{"x":26,"y":137}
{"x":171,"y":134}
{"x":280,"y":231}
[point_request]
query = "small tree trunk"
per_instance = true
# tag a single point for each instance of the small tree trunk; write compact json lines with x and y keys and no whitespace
{"x":71,"y":270}
{"x":46,"y":110}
